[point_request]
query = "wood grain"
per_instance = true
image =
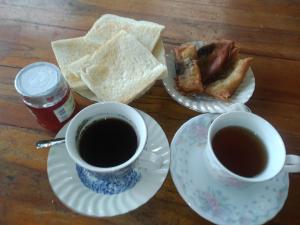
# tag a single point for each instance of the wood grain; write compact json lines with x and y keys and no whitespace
{"x":269,"y":31}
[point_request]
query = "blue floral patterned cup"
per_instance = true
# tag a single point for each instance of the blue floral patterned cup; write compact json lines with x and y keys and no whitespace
{"x":274,"y":146}
{"x":118,"y":178}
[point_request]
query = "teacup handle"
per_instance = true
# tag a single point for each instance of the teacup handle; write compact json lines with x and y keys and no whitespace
{"x":292,"y":163}
{"x":149,"y":160}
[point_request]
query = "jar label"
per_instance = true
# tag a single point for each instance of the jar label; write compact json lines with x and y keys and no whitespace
{"x":65,"y":111}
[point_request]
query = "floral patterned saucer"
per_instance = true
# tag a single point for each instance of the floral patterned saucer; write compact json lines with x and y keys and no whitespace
{"x":220,"y":204}
{"x":83,"y":192}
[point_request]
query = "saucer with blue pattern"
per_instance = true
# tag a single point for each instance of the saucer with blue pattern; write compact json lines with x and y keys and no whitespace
{"x":95,"y":195}
{"x":220,"y":203}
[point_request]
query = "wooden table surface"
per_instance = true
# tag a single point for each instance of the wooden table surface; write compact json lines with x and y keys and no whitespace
{"x":269,"y":31}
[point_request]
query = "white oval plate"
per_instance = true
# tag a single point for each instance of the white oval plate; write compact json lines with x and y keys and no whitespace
{"x":68,"y":188}
{"x":211,"y":199}
{"x":202,"y":102}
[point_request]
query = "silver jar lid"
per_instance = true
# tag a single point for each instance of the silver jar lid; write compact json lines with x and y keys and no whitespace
{"x":41,"y":84}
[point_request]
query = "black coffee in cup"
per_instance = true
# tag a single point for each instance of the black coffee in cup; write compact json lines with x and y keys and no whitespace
{"x":107,"y":142}
{"x":240,"y":151}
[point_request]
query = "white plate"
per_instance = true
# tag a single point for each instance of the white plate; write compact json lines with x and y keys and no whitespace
{"x":67,"y":186}
{"x":202,"y":102}
{"x":216,"y":202}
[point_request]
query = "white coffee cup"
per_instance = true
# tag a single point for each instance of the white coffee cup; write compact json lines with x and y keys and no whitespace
{"x":105,"y":110}
{"x":274,"y":146}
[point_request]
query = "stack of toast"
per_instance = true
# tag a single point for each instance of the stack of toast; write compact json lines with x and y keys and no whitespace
{"x":117,"y":60}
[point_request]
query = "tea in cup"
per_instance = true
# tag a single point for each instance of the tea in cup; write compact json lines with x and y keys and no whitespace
{"x":106,"y":140}
{"x":244,"y":148}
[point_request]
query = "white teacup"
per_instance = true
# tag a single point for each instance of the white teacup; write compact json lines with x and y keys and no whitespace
{"x":274,"y":147}
{"x":110,"y":175}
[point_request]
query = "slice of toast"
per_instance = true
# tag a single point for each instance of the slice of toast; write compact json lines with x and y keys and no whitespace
{"x":108,"y":25}
{"x":120,"y":70}
{"x":69,"y":50}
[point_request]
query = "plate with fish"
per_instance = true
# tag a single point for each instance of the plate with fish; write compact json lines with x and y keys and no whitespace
{"x":209,"y":77}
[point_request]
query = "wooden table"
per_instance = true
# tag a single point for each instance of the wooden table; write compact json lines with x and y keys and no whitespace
{"x":267,"y":30}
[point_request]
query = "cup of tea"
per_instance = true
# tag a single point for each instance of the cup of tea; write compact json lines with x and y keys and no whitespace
{"x":244,"y":148}
{"x":106,"y":139}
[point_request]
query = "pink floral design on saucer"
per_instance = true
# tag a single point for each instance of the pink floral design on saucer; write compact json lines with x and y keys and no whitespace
{"x":210,"y":198}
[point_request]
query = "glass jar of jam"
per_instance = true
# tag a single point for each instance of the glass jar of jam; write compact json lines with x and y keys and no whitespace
{"x":46,"y":93}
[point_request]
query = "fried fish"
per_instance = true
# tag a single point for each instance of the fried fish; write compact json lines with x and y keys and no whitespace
{"x":213,"y":68}
{"x":224,"y":88}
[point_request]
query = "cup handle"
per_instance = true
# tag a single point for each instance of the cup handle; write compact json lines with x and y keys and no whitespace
{"x":292,"y":163}
{"x":149,"y":160}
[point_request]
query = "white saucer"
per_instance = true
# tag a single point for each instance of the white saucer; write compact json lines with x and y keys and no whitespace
{"x":220,"y":204}
{"x":202,"y":102}
{"x":68,"y":188}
